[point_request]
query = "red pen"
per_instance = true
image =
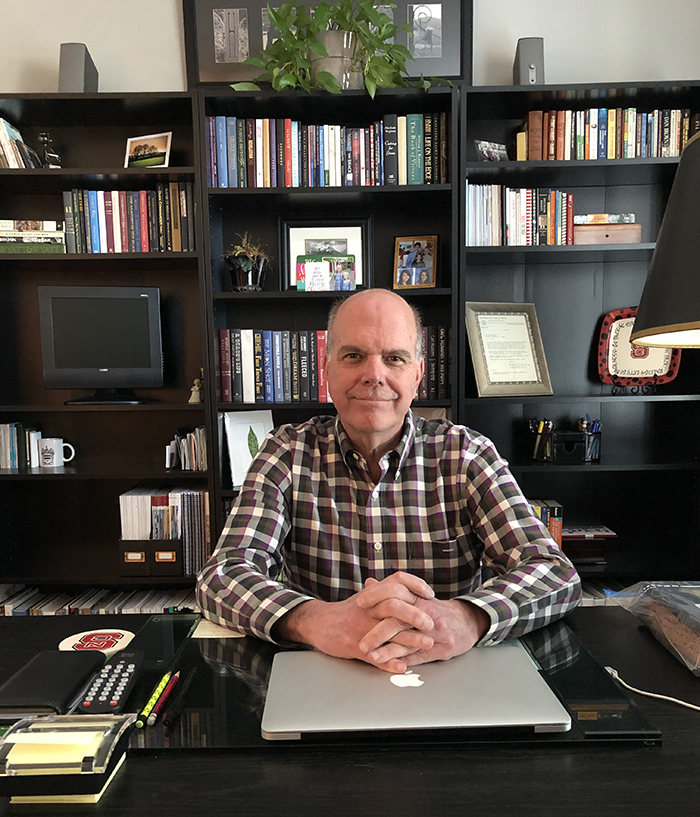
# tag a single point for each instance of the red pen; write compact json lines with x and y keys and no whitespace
{"x":153,"y":717}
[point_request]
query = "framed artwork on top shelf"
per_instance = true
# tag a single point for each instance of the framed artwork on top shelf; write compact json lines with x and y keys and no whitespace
{"x":219,"y":40}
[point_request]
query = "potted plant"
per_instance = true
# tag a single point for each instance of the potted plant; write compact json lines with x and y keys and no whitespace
{"x":247,"y":262}
{"x":299,"y":57}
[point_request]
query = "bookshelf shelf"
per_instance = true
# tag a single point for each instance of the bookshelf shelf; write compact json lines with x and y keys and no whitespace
{"x":572,"y":288}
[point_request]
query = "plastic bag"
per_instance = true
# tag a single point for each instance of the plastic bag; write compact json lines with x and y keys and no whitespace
{"x":671,"y":610}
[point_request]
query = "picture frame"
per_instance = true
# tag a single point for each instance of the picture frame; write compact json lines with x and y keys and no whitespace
{"x":151,"y":150}
{"x":506,"y":349}
{"x":415,"y":262}
{"x":218,"y":40}
{"x":442,"y":43}
{"x":442,"y":40}
{"x":244,"y":431}
{"x":327,"y":238}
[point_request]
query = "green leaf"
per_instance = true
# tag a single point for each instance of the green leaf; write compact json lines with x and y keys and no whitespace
{"x":253,"y":444}
{"x":245,"y":86}
{"x":328,"y":82}
{"x":318,"y":48}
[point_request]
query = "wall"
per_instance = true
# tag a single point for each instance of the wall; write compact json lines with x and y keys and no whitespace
{"x":137,"y":45}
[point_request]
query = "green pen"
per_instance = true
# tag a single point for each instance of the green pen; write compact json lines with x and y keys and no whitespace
{"x":152,"y":701}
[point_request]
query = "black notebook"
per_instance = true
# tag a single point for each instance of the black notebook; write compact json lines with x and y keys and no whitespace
{"x":48,"y":684}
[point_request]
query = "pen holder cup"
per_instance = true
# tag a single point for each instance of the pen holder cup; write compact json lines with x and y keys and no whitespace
{"x":576,"y":446}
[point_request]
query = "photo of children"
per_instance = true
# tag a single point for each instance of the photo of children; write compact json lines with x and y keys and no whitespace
{"x":415,"y":262}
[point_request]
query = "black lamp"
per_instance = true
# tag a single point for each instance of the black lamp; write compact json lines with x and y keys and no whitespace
{"x":669,"y":312}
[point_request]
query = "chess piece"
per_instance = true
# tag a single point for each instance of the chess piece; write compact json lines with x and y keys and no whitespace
{"x":50,"y":157}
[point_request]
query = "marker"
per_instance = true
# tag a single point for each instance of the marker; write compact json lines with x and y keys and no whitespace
{"x":153,"y":717}
{"x":178,"y":702}
{"x":152,"y":701}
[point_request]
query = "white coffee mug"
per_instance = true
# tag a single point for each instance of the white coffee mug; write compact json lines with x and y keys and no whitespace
{"x":51,"y":452}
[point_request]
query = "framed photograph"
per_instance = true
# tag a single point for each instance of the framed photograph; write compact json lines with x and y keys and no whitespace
{"x":337,"y":242}
{"x":506,"y":349}
{"x":415,"y":262}
{"x":441,"y":45}
{"x":152,"y":150}
{"x":219,"y":40}
{"x":245,"y":431}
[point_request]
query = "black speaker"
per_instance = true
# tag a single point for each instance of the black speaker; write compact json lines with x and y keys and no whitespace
{"x":528,"y":68}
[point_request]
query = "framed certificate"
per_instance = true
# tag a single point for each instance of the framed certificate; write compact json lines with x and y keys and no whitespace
{"x":506,"y":349}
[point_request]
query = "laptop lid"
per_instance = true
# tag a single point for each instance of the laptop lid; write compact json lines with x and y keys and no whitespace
{"x":487,"y":687}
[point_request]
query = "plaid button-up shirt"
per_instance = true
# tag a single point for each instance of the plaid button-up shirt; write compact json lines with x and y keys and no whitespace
{"x":309,"y":522}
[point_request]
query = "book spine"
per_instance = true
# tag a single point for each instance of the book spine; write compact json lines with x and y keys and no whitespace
{"x":236,"y":367}
{"x":268,"y":367}
{"x":247,"y":366}
{"x":232,"y":151}
{"x":428,"y":177}
{"x":143,"y":217}
{"x":109,"y":221}
{"x":313,"y":366}
{"x":266,"y":165}
{"x":259,"y":154}
{"x":94,"y":221}
{"x":401,"y":149}
{"x":259,"y":369}
{"x":250,"y":152}
{"x":415,"y":157}
{"x":321,"y":357}
{"x":69,"y":221}
{"x":241,"y":153}
{"x":287,"y":152}
{"x":175,"y":228}
{"x":286,"y":367}
{"x":294,"y":358}
{"x":225,"y":363}
{"x":136,"y":223}
{"x":277,"y":366}
{"x":221,"y":152}
{"x":303,"y":366}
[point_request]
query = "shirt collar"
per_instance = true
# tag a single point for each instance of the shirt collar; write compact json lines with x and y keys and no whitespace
{"x":400,"y":452}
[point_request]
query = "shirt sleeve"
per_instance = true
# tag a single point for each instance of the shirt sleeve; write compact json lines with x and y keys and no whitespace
{"x":534,"y":582}
{"x":239,"y":587}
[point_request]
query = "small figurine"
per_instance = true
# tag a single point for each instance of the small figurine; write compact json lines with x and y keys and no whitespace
{"x":50,"y":157}
{"x":196,"y":396}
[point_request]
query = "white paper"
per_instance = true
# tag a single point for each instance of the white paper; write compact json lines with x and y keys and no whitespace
{"x":242,"y":427}
{"x":507,"y":343}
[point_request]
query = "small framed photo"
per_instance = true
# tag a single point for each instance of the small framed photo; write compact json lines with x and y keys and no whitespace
{"x":152,"y":150}
{"x":415,"y":262}
{"x":506,"y":349}
{"x":336,"y":251}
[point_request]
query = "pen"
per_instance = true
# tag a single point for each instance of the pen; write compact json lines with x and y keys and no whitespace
{"x":178,"y":702}
{"x":153,"y":717}
{"x":540,"y":429}
{"x":152,"y":701}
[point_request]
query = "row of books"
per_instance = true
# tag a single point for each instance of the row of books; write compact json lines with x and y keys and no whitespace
{"x":20,"y":600}
{"x":187,"y":450}
{"x":551,"y":514}
{"x":286,"y":366}
{"x":117,"y":221}
{"x":19,"y":446}
{"x":606,"y":133}
{"x":503,"y":216}
{"x":14,"y":152}
{"x":168,"y":514}
{"x":399,"y":149}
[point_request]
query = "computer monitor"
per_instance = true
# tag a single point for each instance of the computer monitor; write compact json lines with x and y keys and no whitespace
{"x":102,"y":338}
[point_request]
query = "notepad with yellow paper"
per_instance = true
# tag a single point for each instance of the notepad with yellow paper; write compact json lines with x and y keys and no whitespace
{"x":62,"y":758}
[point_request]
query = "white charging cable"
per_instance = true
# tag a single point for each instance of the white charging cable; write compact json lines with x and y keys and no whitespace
{"x":614,"y":674}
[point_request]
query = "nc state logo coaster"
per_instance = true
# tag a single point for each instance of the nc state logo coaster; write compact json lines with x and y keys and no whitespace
{"x":106,"y":641}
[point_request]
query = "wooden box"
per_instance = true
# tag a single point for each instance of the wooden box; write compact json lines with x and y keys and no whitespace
{"x":608,"y":234}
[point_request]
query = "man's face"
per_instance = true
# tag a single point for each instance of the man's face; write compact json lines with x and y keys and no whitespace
{"x":371,"y":369}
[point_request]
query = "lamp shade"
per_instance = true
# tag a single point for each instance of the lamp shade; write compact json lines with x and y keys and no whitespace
{"x":669,"y":312}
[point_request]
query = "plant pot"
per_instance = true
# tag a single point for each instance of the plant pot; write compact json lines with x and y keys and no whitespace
{"x":340,"y":46}
{"x":247,"y":275}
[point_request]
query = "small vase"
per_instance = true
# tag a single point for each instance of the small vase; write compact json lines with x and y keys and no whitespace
{"x":340,"y":46}
{"x":246,"y":277}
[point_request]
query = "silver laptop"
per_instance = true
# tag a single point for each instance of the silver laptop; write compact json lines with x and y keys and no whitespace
{"x":488,"y":687}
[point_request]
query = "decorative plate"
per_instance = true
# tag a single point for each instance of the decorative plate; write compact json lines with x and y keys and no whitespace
{"x":622,"y":363}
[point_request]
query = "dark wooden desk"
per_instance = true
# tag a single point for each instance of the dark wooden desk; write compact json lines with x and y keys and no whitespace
{"x":527,"y":779}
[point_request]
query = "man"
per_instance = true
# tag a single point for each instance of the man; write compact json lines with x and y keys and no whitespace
{"x":365,"y":535}
{"x":410,"y":260}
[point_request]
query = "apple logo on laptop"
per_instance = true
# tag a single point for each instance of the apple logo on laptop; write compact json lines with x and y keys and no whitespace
{"x":408,"y":679}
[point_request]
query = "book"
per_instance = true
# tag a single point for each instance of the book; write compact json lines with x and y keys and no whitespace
{"x":247,"y":366}
{"x":268,"y":367}
{"x":286,"y":367}
{"x":258,"y":366}
{"x":221,"y":155}
{"x":303,"y":346}
{"x":402,"y":169}
{"x":555,"y":520}
{"x":232,"y":151}
{"x":224,"y":337}
{"x":414,"y":148}
{"x":277,"y":377}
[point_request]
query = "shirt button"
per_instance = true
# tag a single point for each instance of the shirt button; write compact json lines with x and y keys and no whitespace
{"x":375,"y":493}
{"x":377,"y":545}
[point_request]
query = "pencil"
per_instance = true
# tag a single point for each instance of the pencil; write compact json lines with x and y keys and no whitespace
{"x":178,"y":702}
{"x":152,"y":701}
{"x":153,"y":717}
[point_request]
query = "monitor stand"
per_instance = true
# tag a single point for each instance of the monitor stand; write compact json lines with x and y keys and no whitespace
{"x":108,"y":397}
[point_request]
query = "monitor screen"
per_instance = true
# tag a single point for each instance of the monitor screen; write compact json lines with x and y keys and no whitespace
{"x":102,"y":338}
